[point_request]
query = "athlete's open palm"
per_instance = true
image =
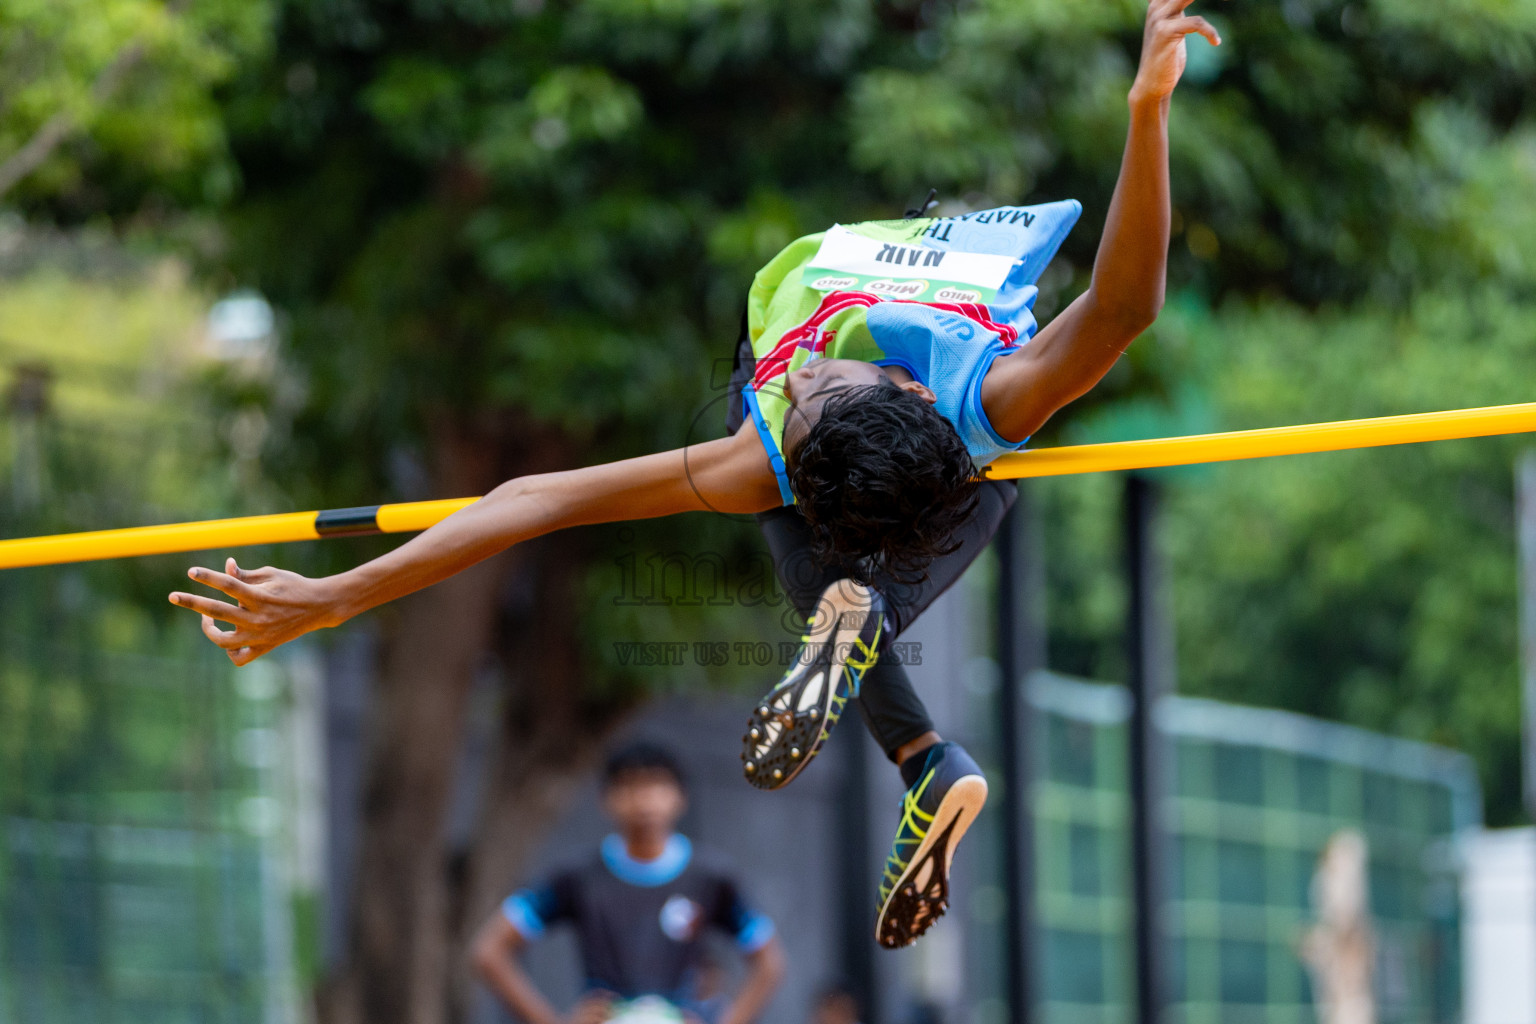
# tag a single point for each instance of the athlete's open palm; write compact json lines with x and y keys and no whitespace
{"x":1163,"y":53}
{"x":272,"y":607}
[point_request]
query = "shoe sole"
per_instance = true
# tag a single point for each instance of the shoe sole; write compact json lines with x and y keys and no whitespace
{"x":914,"y":905}
{"x":795,"y":734}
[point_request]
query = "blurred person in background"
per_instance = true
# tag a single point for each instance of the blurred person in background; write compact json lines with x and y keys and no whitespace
{"x":640,"y":906}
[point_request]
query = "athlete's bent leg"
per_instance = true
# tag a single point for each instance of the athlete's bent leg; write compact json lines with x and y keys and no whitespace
{"x":847,"y":628}
{"x":945,"y":790}
{"x":851,"y":625}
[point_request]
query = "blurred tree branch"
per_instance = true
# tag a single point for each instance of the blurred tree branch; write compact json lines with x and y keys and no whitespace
{"x":135,"y":78}
{"x":64,"y":123}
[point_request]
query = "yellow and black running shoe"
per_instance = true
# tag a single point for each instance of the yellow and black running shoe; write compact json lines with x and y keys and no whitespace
{"x":935,"y":813}
{"x":791,"y":723}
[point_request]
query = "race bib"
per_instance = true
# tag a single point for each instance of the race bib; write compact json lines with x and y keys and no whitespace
{"x":848,"y":261}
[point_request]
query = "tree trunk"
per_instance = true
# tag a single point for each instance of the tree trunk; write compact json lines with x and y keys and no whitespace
{"x":404,"y":961}
{"x":396,"y":963}
{"x":551,"y":731}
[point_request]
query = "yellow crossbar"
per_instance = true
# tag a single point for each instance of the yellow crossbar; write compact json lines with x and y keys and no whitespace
{"x":1089,"y":458}
{"x":406,"y":517}
{"x":1268,"y":442}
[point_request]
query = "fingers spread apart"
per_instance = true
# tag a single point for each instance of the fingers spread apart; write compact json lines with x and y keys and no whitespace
{"x":207,"y":606}
{"x":224,"y":583}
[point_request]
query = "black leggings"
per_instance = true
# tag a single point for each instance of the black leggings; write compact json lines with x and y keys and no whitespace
{"x":891,"y":708}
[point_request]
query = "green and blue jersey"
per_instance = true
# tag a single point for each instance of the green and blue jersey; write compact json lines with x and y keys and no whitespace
{"x":941,"y":297}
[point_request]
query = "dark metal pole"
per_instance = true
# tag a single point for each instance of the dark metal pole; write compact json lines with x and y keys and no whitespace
{"x":856,"y":932}
{"x":1525,"y":520}
{"x":1021,"y":643}
{"x":1525,"y":493}
{"x":1149,"y":650}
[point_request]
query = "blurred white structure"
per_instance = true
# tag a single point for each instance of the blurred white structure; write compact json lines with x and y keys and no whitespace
{"x":1340,"y":950}
{"x":1499,"y":927}
{"x":241,"y":327}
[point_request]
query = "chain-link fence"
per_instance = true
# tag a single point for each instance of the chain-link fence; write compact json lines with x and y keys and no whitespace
{"x":141,"y":820}
{"x":144,"y":802}
{"x":1256,"y":795}
{"x":146,"y":797}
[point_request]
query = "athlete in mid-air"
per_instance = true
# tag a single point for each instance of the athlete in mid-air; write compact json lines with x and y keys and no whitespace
{"x":882,"y":366}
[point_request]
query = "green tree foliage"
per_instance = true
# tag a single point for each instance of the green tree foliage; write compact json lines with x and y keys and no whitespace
{"x":103,"y":426}
{"x":107,"y":99}
{"x":515,"y":236}
{"x":1352,"y":237}
{"x":513,"y":220}
{"x":1378,"y":587}
{"x":526,"y":228}
{"x":122,"y":731}
{"x":1313,"y":153}
{"x":512,"y":238}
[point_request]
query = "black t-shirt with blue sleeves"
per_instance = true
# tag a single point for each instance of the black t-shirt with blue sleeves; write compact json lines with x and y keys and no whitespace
{"x":640,"y":924}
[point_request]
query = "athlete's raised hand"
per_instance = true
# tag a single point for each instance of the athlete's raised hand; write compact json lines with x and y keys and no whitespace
{"x":1162,"y":47}
{"x":272,"y":607}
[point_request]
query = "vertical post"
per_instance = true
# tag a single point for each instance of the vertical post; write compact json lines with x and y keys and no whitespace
{"x":1021,"y":644}
{"x":1526,"y":498}
{"x":1149,"y":650}
{"x":856,"y":933}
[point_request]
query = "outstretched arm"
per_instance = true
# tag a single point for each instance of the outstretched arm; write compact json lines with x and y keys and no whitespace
{"x":1072,"y":353}
{"x":275,"y":606}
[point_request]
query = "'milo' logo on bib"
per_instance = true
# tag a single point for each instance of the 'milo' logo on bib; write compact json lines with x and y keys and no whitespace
{"x":897,"y":289}
{"x":849,"y":261}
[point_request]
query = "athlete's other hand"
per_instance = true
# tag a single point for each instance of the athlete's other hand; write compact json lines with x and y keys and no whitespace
{"x":1163,"y":52}
{"x":593,"y":1009}
{"x":272,"y":607}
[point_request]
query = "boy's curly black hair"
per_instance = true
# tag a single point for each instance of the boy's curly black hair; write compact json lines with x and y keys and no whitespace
{"x":884,"y":483}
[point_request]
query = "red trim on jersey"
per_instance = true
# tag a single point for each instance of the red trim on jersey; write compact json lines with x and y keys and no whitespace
{"x":979,"y":312}
{"x":777,"y":361}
